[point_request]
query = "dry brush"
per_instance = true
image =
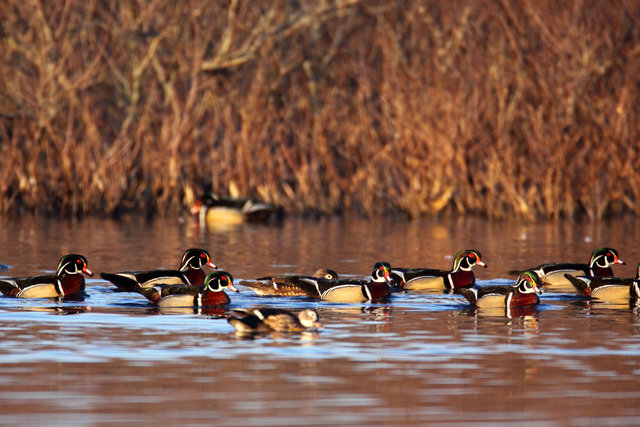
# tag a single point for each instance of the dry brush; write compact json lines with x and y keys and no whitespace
{"x":422,"y":107}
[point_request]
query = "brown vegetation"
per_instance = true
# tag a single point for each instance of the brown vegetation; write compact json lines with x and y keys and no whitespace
{"x":491,"y":107}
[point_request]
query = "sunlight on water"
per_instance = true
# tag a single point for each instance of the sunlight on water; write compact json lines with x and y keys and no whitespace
{"x":418,"y":358}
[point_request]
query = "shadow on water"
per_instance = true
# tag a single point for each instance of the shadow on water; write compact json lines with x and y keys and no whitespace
{"x":415,"y":359}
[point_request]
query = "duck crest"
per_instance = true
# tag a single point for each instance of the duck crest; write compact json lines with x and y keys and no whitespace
{"x":195,"y":258}
{"x":72,"y":264}
{"x":601,"y":261}
{"x":466,"y":259}
{"x":457,"y":261}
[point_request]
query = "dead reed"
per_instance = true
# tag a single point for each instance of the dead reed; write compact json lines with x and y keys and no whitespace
{"x":421,"y":107}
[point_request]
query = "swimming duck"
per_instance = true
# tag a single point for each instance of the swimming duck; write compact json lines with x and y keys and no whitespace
{"x":190,"y":273}
{"x":67,"y":281}
{"x":291,"y":285}
{"x":607,"y":288}
{"x":214,"y":210}
{"x":460,"y":276}
{"x":552,"y":276}
{"x":524,"y":292}
{"x":183,"y":295}
{"x":358,"y":290}
{"x":273,"y":319}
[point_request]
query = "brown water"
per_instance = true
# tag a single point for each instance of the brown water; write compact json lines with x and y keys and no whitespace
{"x":419,"y":359}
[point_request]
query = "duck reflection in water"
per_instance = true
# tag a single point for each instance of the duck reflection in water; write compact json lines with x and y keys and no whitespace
{"x":593,"y":305}
{"x":525,"y":312}
{"x":214,"y":312}
{"x":60,"y":310}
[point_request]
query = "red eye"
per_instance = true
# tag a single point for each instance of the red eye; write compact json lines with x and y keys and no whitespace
{"x":79,"y":261}
{"x":223,"y":278}
{"x":203,"y":256}
{"x":472,"y":255}
{"x":608,"y":253}
{"x":381,"y":268}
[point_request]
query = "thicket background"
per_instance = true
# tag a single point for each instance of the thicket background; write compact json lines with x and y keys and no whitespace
{"x":526,"y":108}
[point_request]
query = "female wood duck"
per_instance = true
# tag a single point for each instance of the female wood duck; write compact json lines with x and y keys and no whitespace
{"x":212,"y":294}
{"x":460,"y":276}
{"x":358,"y":290}
{"x":607,"y":288}
{"x":189,"y":273}
{"x":524,"y":292}
{"x":273,"y":319}
{"x":552,"y":275}
{"x":290,"y":285}
{"x":67,"y":281}
{"x":214,"y":210}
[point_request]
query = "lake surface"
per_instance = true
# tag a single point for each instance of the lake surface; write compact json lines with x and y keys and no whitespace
{"x":418,"y":359}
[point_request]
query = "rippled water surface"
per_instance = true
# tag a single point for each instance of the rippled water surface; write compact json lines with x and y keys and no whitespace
{"x":418,"y":359}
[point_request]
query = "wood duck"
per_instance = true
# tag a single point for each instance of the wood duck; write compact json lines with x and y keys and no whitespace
{"x":607,"y":288}
{"x":552,"y":276}
{"x":290,"y":285}
{"x":67,"y":281}
{"x":214,"y":210}
{"x":273,"y":319}
{"x":189,"y":273}
{"x":524,"y":292}
{"x":335,"y":290}
{"x":460,"y":276}
{"x":182,"y":295}
{"x":358,"y":290}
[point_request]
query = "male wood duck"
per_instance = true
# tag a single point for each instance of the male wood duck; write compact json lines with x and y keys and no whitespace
{"x":291,"y":285}
{"x":553,"y":278}
{"x":460,"y":276}
{"x":524,"y":292}
{"x":607,"y":288}
{"x":273,"y":319}
{"x":183,"y":295}
{"x":189,"y":273}
{"x":67,"y":281}
{"x":358,"y":290}
{"x":214,"y":210}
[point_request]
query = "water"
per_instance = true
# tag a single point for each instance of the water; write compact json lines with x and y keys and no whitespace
{"x":418,"y":359}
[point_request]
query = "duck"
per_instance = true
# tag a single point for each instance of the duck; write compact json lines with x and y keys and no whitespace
{"x":375,"y":288}
{"x":460,"y":276}
{"x":189,"y":273}
{"x":183,"y":295}
{"x":273,"y":320}
{"x":212,"y":209}
{"x":552,"y":276}
{"x":67,"y":281}
{"x":524,"y":292}
{"x":291,"y":285}
{"x":607,"y":288}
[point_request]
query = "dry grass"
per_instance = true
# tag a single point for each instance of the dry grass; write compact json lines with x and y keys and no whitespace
{"x":421,"y":107}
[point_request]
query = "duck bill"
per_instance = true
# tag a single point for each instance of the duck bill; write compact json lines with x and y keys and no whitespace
{"x":195,"y":209}
{"x":387,"y":278}
{"x":618,"y":261}
{"x":481,"y":263}
{"x":211,"y":264}
{"x":86,"y":271}
{"x":316,"y":326}
{"x":233,"y":288}
{"x":537,"y":290}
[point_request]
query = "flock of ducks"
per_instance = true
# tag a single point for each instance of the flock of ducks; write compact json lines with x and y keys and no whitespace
{"x":188,"y":286}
